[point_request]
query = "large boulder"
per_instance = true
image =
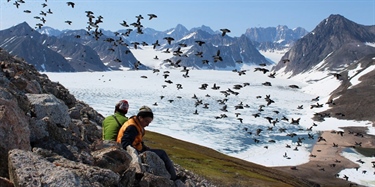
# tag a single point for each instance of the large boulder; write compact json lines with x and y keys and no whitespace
{"x":43,"y":105}
{"x":14,"y":129}
{"x":149,"y":180}
{"x":113,"y":158}
{"x":154,"y":164}
{"x":51,"y":129}
{"x":30,"y":169}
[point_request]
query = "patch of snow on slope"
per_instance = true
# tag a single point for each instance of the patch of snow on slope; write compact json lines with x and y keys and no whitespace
{"x":147,"y":54}
{"x":355,"y":80}
{"x":188,"y":36}
{"x":370,"y":44}
{"x":273,"y":55}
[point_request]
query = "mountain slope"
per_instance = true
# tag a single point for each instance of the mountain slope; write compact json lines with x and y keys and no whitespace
{"x":71,"y":50}
{"x":355,"y":99}
{"x":336,"y":40}
{"x":342,"y":51}
{"x":110,"y":52}
{"x":23,"y":41}
{"x":220,"y":169}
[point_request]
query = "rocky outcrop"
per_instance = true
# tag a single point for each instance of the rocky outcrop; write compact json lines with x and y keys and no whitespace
{"x":51,"y":139}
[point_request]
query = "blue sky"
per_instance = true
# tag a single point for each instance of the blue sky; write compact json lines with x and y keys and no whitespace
{"x":236,"y":15}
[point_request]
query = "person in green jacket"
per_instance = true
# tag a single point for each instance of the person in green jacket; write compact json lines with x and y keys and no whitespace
{"x":112,"y":124}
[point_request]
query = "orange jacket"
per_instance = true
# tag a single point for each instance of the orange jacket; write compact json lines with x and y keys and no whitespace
{"x":137,"y":143}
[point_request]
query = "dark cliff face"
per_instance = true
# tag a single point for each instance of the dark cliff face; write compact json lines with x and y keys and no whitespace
{"x":25,"y":42}
{"x":68,"y":52}
{"x":336,"y":40}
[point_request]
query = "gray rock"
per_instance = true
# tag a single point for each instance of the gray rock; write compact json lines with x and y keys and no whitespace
{"x":130,"y":178}
{"x":38,"y":128}
{"x":113,"y":158}
{"x":154,"y":164}
{"x":29,"y":169}
{"x":136,"y":160}
{"x":33,"y":86}
{"x":14,"y":129}
{"x":150,"y":180}
{"x":47,"y":105}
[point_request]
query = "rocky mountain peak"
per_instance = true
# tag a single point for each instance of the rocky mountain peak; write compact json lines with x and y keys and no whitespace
{"x":178,"y":30}
{"x":21,"y":29}
{"x":344,"y":29}
{"x":336,"y":40}
{"x":203,"y":28}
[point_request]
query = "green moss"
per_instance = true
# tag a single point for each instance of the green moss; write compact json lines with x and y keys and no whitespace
{"x":368,"y":152}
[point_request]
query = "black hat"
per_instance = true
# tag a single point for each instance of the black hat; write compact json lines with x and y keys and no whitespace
{"x":145,"y":111}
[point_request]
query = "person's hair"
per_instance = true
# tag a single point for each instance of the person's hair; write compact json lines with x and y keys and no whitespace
{"x":122,"y":106}
{"x":144,"y":112}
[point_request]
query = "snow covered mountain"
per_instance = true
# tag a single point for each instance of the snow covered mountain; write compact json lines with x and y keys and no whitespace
{"x":234,"y":52}
{"x":336,"y":50}
{"x":279,"y":36}
{"x":336,"y":40}
{"x":70,"y":50}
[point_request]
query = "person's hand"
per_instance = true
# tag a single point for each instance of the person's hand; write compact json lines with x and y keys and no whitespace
{"x":146,"y":148}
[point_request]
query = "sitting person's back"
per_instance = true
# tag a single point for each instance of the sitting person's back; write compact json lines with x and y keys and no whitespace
{"x":112,"y":124}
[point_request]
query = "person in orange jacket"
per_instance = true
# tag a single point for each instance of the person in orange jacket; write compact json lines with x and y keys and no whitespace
{"x":132,"y":132}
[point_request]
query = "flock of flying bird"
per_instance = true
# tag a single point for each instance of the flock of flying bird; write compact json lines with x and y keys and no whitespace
{"x":94,"y":30}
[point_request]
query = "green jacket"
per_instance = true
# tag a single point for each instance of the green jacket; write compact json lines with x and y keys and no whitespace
{"x":111,"y":126}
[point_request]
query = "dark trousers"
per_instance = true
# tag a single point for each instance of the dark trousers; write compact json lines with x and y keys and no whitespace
{"x":168,"y":163}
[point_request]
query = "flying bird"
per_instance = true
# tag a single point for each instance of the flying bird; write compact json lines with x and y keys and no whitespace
{"x":39,"y":25}
{"x":43,"y":13}
{"x":217,"y":57}
{"x":70,"y":4}
{"x":200,"y":43}
{"x":152,"y":16}
{"x":169,"y":39}
{"x":139,"y":17}
{"x":224,"y":31}
{"x":124,"y":24}
{"x":155,"y":44}
{"x":43,"y":20}
{"x":68,"y":22}
{"x":17,"y":4}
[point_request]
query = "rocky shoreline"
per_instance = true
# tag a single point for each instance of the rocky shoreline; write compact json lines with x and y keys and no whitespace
{"x":326,"y":159}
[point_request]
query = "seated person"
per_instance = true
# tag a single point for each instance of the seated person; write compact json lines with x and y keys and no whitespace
{"x":112,"y":124}
{"x":132,"y":132}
